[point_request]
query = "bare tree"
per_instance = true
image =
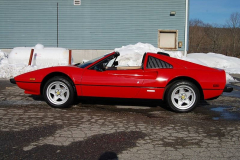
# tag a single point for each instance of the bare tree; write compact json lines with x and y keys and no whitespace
{"x":214,"y":33}
{"x":215,"y":38}
{"x":234,"y":24}
{"x":196,"y":35}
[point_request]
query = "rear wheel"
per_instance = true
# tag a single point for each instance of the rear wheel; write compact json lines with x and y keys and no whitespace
{"x":182,"y":96}
{"x":58,"y":92}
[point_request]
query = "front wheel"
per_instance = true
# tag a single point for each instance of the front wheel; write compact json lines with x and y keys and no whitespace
{"x":58,"y":92}
{"x":182,"y":96}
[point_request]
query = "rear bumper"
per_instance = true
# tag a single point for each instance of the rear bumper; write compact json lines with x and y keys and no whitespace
{"x":228,"y":89}
{"x":12,"y":80}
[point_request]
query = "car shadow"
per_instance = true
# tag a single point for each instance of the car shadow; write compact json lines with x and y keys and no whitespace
{"x":120,"y":101}
{"x":153,"y":104}
{"x":129,"y":103}
{"x":37,"y":98}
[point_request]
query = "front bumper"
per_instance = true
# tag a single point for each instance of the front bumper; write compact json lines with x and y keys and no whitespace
{"x":12,"y":80}
{"x":228,"y":89}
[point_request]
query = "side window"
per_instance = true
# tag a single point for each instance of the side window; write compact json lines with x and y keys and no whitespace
{"x":100,"y":65}
{"x":157,"y":63}
{"x":108,"y":62}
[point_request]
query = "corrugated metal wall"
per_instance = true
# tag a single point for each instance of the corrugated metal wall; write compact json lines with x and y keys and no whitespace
{"x":26,"y":23}
{"x":95,"y":24}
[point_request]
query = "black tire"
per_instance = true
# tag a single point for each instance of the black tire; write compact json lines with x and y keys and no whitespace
{"x":58,"y":92}
{"x":182,"y":96}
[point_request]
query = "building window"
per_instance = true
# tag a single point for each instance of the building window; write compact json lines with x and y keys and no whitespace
{"x":157,"y":63}
{"x":168,"y":39}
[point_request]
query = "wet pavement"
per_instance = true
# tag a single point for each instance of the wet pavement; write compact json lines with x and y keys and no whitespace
{"x":100,"y":128}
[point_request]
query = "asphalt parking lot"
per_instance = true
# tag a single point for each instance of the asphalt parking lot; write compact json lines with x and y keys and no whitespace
{"x":96,"y":128}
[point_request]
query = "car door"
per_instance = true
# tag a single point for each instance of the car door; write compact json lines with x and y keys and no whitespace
{"x":156,"y":76}
{"x":112,"y":83}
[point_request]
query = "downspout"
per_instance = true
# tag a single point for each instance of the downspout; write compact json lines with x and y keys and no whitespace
{"x":186,"y":30}
{"x":57,"y":24}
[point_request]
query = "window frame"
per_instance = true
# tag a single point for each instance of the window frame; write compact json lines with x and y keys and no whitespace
{"x":159,"y":60}
{"x":168,"y":31}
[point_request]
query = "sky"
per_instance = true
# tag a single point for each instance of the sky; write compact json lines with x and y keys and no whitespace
{"x":213,"y":11}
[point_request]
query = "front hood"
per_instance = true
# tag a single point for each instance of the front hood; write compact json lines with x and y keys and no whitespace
{"x":38,"y":75}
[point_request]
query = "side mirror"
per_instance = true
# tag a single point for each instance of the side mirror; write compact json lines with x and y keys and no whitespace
{"x":115,"y":63}
{"x":100,"y":67}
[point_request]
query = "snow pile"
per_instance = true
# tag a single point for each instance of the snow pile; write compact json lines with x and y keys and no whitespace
{"x":229,"y":64}
{"x":16,"y":62}
{"x":41,"y":56}
{"x":2,"y":55}
{"x":230,"y":78}
{"x":3,"y":59}
{"x":39,"y":46}
{"x":131,"y":55}
{"x":10,"y":71}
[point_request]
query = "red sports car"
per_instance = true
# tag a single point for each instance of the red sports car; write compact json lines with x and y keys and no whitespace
{"x":180,"y":83}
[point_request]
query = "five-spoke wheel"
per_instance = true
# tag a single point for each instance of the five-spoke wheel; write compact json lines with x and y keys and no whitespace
{"x":58,"y":92}
{"x":182,"y":96}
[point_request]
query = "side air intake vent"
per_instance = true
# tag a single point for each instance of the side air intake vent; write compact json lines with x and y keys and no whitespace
{"x":157,"y":63}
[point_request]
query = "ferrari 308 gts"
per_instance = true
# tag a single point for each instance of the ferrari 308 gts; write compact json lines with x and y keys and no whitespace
{"x":180,"y":83}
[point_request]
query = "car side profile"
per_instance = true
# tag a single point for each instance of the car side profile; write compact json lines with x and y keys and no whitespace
{"x":180,"y":83}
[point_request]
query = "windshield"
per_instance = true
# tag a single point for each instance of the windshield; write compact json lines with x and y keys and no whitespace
{"x":83,"y":65}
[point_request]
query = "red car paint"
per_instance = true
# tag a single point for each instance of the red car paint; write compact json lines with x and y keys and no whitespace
{"x":129,"y":83}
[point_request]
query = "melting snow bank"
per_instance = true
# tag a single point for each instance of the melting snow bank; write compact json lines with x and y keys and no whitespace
{"x":229,"y":64}
{"x":130,"y":55}
{"x":3,"y":60}
{"x":16,"y":62}
{"x":8,"y":71}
